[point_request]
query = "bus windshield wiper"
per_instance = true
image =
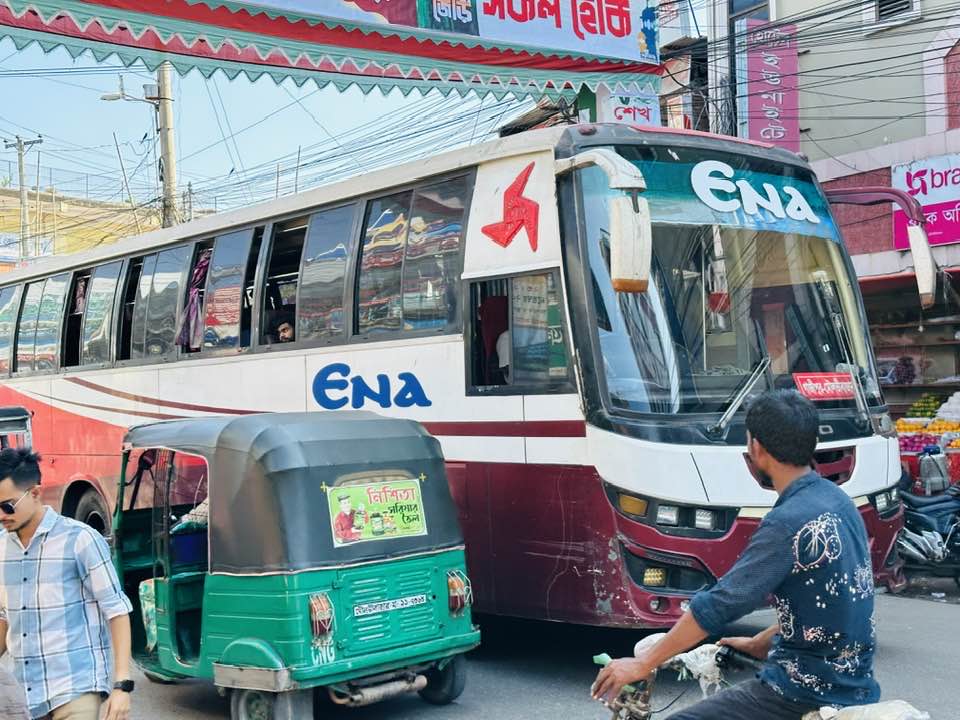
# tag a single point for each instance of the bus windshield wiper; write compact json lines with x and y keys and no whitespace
{"x":738,"y":399}
{"x":846,"y":347}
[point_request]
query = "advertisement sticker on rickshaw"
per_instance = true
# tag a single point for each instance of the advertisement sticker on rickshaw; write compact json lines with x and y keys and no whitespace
{"x":376,"y":511}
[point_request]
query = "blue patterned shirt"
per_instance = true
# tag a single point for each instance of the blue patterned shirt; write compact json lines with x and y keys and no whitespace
{"x":812,"y":556}
{"x":58,"y":595}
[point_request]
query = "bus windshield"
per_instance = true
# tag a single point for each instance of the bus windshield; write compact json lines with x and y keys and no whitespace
{"x":747,"y":266}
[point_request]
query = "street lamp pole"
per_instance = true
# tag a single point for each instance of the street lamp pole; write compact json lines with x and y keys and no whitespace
{"x":161,"y":97}
{"x":168,"y":155}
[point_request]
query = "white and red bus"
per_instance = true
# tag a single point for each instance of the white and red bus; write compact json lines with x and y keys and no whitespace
{"x":578,"y":314}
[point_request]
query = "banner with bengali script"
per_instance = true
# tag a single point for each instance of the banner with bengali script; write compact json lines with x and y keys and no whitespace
{"x":376,"y":511}
{"x":769,"y":85}
{"x":935,"y":183}
{"x":521,"y":47}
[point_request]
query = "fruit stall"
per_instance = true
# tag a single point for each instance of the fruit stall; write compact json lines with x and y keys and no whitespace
{"x":918,"y":359}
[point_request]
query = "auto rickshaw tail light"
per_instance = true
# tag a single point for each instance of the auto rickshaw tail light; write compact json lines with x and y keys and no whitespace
{"x":459,"y":591}
{"x":321,"y":616}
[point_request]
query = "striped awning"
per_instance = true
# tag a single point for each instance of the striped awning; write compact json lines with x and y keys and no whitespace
{"x":524,"y":48}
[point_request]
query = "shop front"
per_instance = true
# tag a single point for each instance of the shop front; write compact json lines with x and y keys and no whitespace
{"x":917,"y":350}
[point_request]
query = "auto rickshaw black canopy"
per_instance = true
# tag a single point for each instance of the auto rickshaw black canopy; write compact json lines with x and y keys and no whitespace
{"x":270,"y":475}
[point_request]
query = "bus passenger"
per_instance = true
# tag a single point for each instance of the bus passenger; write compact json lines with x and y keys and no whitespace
{"x":503,"y":355}
{"x":284,"y":329}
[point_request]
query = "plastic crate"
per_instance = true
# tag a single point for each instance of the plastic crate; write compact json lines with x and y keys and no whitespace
{"x":189,"y":548}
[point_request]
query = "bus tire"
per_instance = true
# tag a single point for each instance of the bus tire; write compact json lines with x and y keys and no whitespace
{"x":446,"y":685}
{"x":262,"y":705}
{"x":92,"y":510}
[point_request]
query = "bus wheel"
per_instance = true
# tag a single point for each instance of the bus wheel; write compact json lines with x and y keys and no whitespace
{"x":444,"y":686}
{"x":261,"y":705}
{"x":93,"y":511}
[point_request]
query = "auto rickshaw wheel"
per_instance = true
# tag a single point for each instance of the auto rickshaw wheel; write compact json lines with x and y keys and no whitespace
{"x":262,"y":705}
{"x":159,"y":679}
{"x":446,"y":685}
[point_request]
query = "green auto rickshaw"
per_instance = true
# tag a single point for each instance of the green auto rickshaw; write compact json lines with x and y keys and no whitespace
{"x":294,"y":559}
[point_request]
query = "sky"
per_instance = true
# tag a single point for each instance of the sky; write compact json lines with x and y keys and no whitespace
{"x":59,"y":98}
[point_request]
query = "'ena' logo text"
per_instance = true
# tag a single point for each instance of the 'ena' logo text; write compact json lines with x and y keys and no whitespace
{"x":330,"y":385}
{"x":711,"y":176}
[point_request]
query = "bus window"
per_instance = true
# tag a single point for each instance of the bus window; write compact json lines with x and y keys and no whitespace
{"x":518,"y":337}
{"x":280,"y":289}
{"x":9,"y":301}
{"x":161,"y":327}
{"x":379,"y":282}
{"x":98,"y":316}
{"x":225,"y":286}
{"x":76,"y":302}
{"x":410,"y":262}
{"x":139,"y":278}
{"x":27,"y":328}
{"x":320,"y":312}
{"x":431,"y":265}
{"x":50,"y":321}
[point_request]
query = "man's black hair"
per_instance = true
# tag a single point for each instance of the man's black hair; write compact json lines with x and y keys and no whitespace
{"x":283,"y":317}
{"x":22,"y":465}
{"x":786,"y":424}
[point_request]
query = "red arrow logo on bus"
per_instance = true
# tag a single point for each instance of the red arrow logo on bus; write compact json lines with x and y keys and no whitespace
{"x":518,"y":212}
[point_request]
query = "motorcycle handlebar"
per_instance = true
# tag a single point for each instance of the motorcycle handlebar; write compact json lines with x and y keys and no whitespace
{"x":728,"y":657}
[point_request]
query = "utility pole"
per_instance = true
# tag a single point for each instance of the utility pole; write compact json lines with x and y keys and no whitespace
{"x":36,"y":235}
{"x":168,"y":153}
{"x":21,"y":146}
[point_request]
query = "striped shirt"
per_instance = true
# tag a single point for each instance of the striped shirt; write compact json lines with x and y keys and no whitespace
{"x":57,"y":596}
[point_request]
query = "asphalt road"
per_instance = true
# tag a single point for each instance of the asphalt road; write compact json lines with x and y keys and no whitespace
{"x":542,"y":671}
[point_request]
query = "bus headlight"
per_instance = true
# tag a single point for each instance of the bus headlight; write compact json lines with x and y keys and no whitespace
{"x":668,"y":515}
{"x":883,"y":502}
{"x":704,"y":520}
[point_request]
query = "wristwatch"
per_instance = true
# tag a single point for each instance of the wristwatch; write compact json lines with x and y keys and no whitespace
{"x":124,"y":686}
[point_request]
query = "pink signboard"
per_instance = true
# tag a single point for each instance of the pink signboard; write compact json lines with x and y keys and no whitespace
{"x":771,"y":84}
{"x":824,"y":386}
{"x":935,"y":183}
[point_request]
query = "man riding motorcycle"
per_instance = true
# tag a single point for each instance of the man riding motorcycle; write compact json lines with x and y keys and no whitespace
{"x":811,"y":554}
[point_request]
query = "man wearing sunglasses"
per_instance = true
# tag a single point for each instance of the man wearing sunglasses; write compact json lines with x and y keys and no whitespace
{"x":63,"y":614}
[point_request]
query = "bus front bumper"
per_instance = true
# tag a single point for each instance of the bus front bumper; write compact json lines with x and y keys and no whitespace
{"x":682,"y":565}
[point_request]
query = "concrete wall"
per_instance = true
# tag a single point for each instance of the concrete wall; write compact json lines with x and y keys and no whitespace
{"x":848,"y":102}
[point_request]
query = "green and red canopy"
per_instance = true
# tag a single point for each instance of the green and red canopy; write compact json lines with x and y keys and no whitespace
{"x":532,"y":48}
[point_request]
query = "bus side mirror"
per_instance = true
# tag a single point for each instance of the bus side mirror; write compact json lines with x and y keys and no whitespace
{"x":924,"y":264}
{"x":631,"y":243}
{"x":630,"y":227}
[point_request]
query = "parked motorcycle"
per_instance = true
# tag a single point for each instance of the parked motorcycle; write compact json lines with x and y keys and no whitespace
{"x":930,"y":539}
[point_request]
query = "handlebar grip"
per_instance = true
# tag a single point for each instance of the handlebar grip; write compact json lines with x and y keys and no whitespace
{"x":603,"y":660}
{"x":727,"y":656}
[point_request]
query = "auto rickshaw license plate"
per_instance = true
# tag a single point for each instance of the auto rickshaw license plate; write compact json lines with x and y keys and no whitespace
{"x":374,"y":608}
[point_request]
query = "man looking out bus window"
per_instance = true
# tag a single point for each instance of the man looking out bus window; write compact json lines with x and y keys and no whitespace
{"x":61,"y":606}
{"x":285,"y":330}
{"x":811,"y":554}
